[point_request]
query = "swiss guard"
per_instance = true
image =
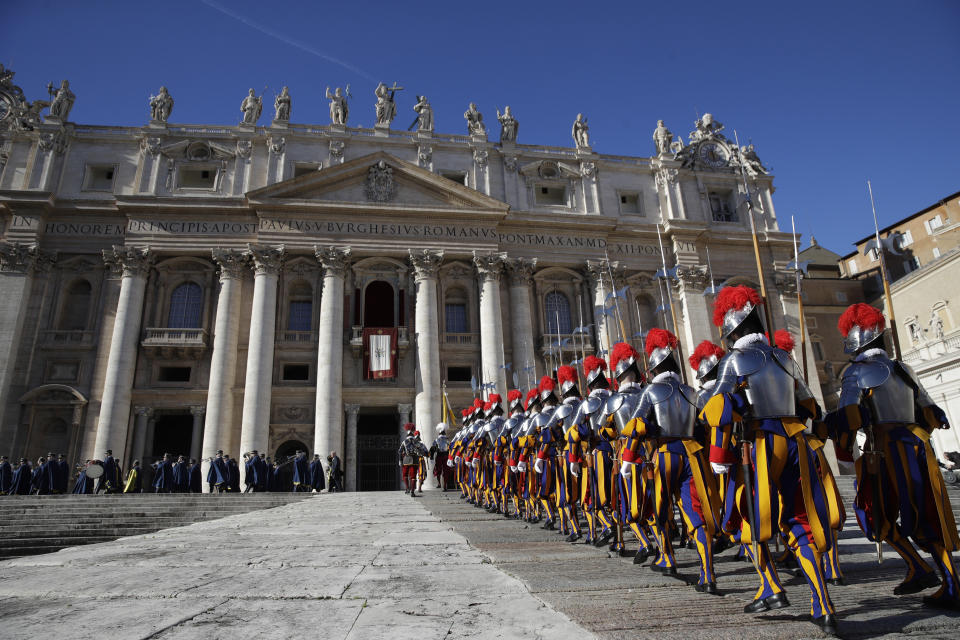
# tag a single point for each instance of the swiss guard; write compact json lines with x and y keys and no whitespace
{"x":439,"y":453}
{"x":544,"y":463}
{"x":566,"y":477}
{"x":409,"y":454}
{"x":666,"y":417}
{"x":760,"y":394}
{"x":901,"y":495}
{"x":505,"y":453}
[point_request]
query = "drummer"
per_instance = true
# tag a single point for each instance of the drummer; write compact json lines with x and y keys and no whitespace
{"x":109,"y":481}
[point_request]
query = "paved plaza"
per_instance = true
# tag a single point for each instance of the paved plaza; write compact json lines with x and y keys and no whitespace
{"x":372,"y":565}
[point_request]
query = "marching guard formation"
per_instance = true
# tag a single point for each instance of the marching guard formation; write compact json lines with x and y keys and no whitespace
{"x":740,"y":458}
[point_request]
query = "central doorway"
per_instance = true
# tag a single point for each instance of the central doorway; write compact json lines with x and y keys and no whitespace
{"x":172,"y":434}
{"x":377,"y":444}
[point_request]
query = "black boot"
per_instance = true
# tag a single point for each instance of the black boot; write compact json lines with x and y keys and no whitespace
{"x":827,"y":623}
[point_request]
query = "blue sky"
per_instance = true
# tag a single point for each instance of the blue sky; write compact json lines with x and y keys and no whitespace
{"x":831,"y":93}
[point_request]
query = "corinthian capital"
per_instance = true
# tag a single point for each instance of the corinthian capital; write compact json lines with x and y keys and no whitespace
{"x":232,"y":263}
{"x":425,"y":263}
{"x":265,"y":259}
{"x":692,"y":277}
{"x":333,"y":260}
{"x":489,"y":265}
{"x":521,"y":270}
{"x":599,"y":272}
{"x":128,"y":261}
{"x":20,"y":258}
{"x":785,"y":282}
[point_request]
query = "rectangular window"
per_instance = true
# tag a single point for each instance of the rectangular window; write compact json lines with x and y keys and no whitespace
{"x":911,"y":265}
{"x":936,"y":252}
{"x":874,"y":255}
{"x":460,"y":177}
{"x":811,"y":322}
{"x":174,"y":374}
{"x":817,"y":350}
{"x":296,"y":372}
{"x":935,"y":222}
{"x":301,"y":312}
{"x":720,"y":207}
{"x":851,"y":267}
{"x":630,"y":203}
{"x":197,"y":178}
{"x":456,"y":316}
{"x":551,"y":196}
{"x":303,"y":168}
{"x":907,"y":238}
{"x":99,"y":177}
{"x":459,"y":374}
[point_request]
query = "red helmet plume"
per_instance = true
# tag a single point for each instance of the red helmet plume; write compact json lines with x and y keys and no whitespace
{"x":705,"y":349}
{"x":735,"y":297}
{"x":487,"y":405}
{"x":478,"y":403}
{"x":494,"y":398}
{"x":547,"y":384}
{"x":465,"y":413}
{"x":784,"y":340}
{"x":660,"y":338}
{"x":862,"y":315}
{"x":532,"y":395}
{"x":513,"y":395}
{"x":592,"y":363}
{"x":622,"y":351}
{"x":566,"y":373}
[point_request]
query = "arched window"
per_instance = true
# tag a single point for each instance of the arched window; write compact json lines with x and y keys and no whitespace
{"x":300,"y":311}
{"x":75,"y":311}
{"x":378,"y":305}
{"x":186,"y":307}
{"x":455,"y":307}
{"x":557,"y":308}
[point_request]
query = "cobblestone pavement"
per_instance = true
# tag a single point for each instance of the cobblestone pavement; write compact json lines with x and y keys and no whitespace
{"x":616,"y":599}
{"x":352,"y":565}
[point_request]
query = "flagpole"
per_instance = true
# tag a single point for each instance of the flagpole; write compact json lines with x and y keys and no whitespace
{"x":885,"y":276}
{"x":713,"y":290}
{"x":643,"y":353}
{"x":616,"y":298}
{"x":673,"y":314}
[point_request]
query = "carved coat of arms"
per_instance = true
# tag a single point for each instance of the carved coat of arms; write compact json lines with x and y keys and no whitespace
{"x":380,"y":185}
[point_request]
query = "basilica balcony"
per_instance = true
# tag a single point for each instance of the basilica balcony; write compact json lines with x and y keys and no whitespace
{"x":356,"y":339}
{"x":568,"y":344}
{"x":467,"y":341}
{"x":73,"y":338}
{"x":175,"y":343}
{"x":293,"y":339}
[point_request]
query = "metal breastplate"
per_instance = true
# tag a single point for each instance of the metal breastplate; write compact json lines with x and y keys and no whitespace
{"x":771,"y":390}
{"x":891,"y":398}
{"x":673,"y":408}
{"x":442,"y":445}
{"x":514,"y":425}
{"x":493,"y":428}
{"x":544,"y":418}
{"x":622,"y":406}
{"x":592,"y":410}
{"x":567,"y":413}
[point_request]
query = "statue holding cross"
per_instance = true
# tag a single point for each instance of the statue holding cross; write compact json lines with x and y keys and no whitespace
{"x":386,"y":107}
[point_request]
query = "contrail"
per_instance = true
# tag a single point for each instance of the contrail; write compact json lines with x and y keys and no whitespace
{"x":283,"y":38}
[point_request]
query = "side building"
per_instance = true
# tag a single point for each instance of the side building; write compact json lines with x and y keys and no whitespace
{"x":189,"y":288}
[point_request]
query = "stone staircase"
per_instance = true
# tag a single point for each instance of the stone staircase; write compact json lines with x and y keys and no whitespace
{"x":42,"y":524}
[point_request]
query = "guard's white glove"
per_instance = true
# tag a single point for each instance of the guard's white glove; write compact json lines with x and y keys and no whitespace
{"x":449,"y":463}
{"x":720,"y":467}
{"x":574,"y":470}
{"x":538,"y":466}
{"x":400,"y":464}
{"x":514,"y":469}
{"x":626,"y":469}
{"x":521,"y":466}
{"x":457,"y":460}
{"x":473,"y":463}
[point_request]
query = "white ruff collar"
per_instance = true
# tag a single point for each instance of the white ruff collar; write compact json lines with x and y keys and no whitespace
{"x":628,"y":385}
{"x":660,"y":377}
{"x":596,"y":392}
{"x":570,"y":400}
{"x":870,"y":353}
{"x":709,"y":384}
{"x":747,"y":340}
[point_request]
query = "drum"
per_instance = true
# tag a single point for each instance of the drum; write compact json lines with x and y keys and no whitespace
{"x":93,"y":471}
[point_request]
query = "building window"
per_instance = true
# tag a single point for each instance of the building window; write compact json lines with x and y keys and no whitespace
{"x":459,"y":374}
{"x":76,"y":307}
{"x":630,"y":203}
{"x":817,"y":349}
{"x":912,"y":264}
{"x":300,"y":311}
{"x":551,"y":196}
{"x":456,"y":317}
{"x":460,"y":177}
{"x":186,"y":306}
{"x":851,"y":267}
{"x":296,"y":372}
{"x":557,"y":308}
{"x":303,"y":168}
{"x":933,"y":224}
{"x":811,"y":322}
{"x":99,"y":177}
{"x":197,"y":177}
{"x":874,"y":254}
{"x":906,"y":238}
{"x":936,"y":252}
{"x":720,"y":207}
{"x":174,"y":374}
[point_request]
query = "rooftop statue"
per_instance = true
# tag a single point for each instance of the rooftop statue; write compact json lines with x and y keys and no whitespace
{"x":252,"y":107}
{"x":386,"y":105}
{"x":161,"y":105}
{"x":62,"y":101}
{"x":508,"y":125}
{"x":662,"y":138}
{"x":339,"y":110}
{"x":581,"y":132}
{"x":424,"y":111}
{"x":474,"y":118}
{"x":281,"y":106}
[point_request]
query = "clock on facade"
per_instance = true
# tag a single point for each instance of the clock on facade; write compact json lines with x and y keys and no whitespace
{"x":713,"y":154}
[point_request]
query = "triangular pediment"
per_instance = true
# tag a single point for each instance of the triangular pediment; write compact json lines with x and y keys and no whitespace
{"x":378,"y":181}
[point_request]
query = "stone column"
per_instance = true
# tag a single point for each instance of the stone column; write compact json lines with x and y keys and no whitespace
{"x":425,"y":265}
{"x":196,"y":437}
{"x":17,"y":264}
{"x":489,"y":269}
{"x":223,"y":360}
{"x":607,"y":327}
{"x":350,"y":453}
{"x":255,"y":425}
{"x":140,"y":431}
{"x":521,"y":319}
{"x":404,"y":411}
{"x":696,"y":309}
{"x":328,"y":429}
{"x":121,"y":363}
{"x":148,"y":438}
